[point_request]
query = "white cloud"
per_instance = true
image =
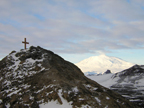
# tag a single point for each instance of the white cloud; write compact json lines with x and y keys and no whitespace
{"x":72,"y":26}
{"x":118,"y":9}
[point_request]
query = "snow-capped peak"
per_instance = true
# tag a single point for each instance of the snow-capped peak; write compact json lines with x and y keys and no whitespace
{"x":101,"y":63}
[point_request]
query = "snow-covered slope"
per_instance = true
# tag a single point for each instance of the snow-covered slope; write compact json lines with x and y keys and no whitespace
{"x":129,"y":83}
{"x":99,"y":64}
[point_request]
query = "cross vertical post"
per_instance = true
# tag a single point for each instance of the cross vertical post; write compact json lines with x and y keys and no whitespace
{"x":25,"y":42}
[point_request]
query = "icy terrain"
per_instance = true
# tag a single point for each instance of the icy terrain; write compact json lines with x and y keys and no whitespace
{"x":105,"y":80}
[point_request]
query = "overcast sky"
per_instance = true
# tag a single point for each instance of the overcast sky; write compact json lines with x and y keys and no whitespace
{"x":75,"y":29}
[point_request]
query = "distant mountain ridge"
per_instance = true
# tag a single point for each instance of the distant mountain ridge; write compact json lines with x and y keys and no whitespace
{"x":99,"y":64}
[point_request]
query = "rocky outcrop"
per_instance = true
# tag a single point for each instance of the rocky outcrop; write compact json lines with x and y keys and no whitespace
{"x":130,"y":84}
{"x":36,"y":76}
{"x":107,"y":72}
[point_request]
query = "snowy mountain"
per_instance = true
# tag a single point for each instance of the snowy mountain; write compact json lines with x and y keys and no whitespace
{"x":38,"y":78}
{"x":99,"y":64}
{"x":129,"y":83}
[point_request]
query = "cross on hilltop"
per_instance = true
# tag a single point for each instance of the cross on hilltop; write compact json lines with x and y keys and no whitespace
{"x":25,"y":42}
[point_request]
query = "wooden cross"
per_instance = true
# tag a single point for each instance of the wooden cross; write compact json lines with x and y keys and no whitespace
{"x":25,"y":42}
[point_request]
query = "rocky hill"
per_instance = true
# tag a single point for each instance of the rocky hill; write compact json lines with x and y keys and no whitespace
{"x":36,"y":77}
{"x":129,"y":83}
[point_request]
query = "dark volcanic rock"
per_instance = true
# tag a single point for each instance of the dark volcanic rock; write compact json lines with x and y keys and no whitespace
{"x":107,"y":72}
{"x":36,"y":76}
{"x":130,"y":84}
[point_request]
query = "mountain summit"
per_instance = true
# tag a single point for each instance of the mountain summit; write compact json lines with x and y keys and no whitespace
{"x":38,"y":78}
{"x":99,"y":64}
